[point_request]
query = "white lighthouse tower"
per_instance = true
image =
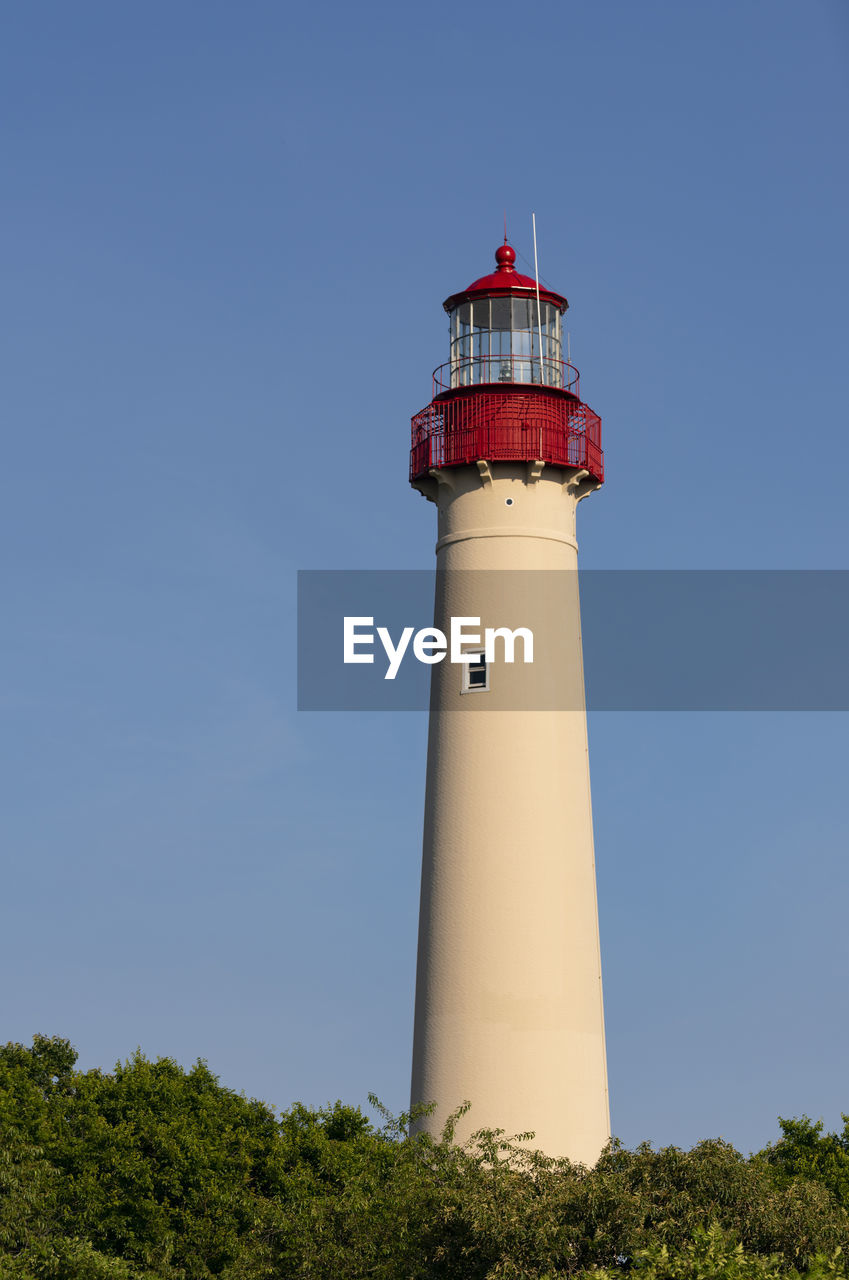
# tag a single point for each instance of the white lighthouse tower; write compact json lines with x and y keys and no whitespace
{"x":508,"y":992}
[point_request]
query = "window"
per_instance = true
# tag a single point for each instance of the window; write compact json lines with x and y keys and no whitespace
{"x":480,"y":313}
{"x":498,"y":340}
{"x":501,"y":313}
{"x":521,"y":313}
{"x":475,"y":674}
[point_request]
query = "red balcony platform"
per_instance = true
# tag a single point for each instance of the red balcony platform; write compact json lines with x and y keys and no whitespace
{"x":507,"y":422}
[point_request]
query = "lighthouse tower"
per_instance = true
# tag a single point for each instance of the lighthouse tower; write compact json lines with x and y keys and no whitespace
{"x":508,"y":991}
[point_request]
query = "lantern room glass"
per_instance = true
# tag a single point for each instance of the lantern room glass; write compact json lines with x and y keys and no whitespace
{"x":498,"y":340}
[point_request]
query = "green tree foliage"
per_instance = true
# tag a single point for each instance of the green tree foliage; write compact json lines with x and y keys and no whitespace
{"x":151,"y":1172}
{"x":804,"y":1151}
{"x":715,"y":1254}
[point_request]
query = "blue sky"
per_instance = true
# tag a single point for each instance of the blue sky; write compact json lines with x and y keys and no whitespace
{"x":228,"y":233}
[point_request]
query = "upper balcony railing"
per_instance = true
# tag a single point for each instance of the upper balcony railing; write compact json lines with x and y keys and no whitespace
{"x":478,"y":371}
{"x":515,"y":424}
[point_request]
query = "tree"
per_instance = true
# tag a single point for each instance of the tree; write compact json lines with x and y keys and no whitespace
{"x":152,"y":1172}
{"x":804,"y":1151}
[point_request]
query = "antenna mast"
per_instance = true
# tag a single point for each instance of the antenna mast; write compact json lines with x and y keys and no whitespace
{"x":539,"y":314}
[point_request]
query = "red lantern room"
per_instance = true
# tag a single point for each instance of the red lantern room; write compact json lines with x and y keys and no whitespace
{"x":506,"y":394}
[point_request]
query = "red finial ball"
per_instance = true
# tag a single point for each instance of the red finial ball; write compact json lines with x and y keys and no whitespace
{"x":505,"y":256}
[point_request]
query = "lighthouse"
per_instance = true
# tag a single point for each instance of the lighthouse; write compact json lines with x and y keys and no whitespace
{"x":508,"y":1012}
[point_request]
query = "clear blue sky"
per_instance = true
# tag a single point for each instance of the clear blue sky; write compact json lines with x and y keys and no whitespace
{"x":228,"y":231}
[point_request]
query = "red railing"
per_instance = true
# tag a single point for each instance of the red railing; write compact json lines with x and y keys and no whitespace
{"x":507,"y":425}
{"x":475,"y":371}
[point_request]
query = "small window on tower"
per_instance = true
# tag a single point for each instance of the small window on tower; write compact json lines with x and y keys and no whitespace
{"x":475,"y":674}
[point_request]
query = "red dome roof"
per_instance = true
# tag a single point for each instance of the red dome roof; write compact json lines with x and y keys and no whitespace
{"x":505,"y":279}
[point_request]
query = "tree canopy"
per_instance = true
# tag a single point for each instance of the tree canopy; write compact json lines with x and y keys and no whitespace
{"x":152,"y":1172}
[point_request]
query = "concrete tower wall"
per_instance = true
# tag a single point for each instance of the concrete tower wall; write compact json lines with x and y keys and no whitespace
{"x":508,"y":999}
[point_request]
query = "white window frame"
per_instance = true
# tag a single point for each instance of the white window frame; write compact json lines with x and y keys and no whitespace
{"x":466,"y":686}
